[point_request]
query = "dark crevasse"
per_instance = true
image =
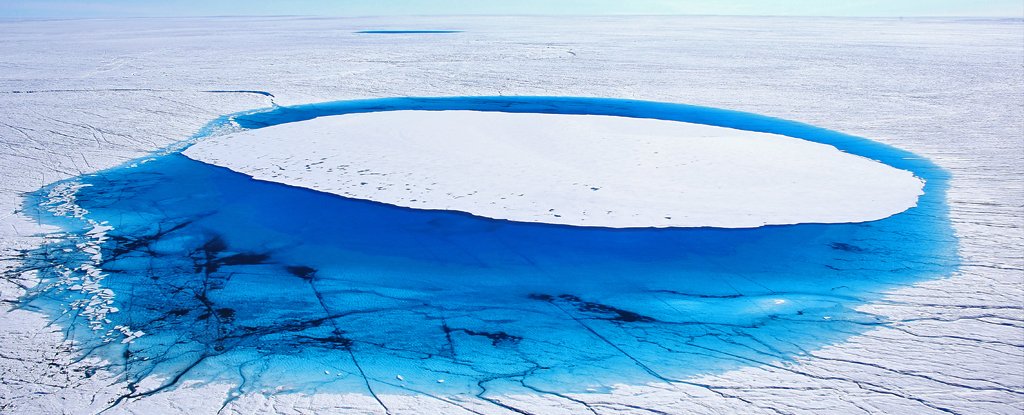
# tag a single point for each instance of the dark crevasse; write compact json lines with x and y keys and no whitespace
{"x":218,"y":277}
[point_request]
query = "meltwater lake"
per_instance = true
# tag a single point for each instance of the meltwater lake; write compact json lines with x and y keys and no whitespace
{"x":406,"y":32}
{"x":174,"y":270}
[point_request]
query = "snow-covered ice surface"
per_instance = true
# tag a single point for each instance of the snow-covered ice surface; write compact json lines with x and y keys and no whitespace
{"x":80,"y":96}
{"x":570,"y":169}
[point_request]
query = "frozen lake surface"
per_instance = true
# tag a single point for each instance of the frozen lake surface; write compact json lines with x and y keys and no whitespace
{"x":571,"y":169}
{"x":192,"y":272}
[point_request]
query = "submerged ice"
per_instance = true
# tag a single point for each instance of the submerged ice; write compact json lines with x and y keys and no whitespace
{"x":174,"y":269}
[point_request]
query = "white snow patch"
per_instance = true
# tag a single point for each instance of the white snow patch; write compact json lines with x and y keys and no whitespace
{"x":570,"y":169}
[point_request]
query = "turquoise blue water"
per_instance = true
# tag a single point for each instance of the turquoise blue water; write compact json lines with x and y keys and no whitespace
{"x":406,"y":32}
{"x":269,"y":286}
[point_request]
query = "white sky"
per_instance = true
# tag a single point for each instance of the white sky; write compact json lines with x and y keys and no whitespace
{"x":117,"y":8}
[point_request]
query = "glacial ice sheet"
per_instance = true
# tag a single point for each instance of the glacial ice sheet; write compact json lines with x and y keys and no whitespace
{"x":180,"y":270}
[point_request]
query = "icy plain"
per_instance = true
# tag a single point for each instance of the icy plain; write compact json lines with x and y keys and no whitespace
{"x":80,"y":96}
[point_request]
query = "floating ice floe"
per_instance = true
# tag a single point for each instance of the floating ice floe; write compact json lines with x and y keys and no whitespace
{"x":588,"y":170}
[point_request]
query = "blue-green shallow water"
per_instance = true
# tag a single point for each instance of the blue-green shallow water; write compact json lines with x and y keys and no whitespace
{"x":406,"y":32}
{"x":269,"y":286}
